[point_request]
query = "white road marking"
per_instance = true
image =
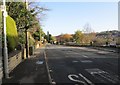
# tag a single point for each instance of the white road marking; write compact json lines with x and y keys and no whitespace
{"x":88,"y":81}
{"x":85,"y":56}
{"x":103,"y":74}
{"x":75,"y":61}
{"x":75,"y":80}
{"x":86,"y":61}
{"x":95,"y":70}
{"x":49,"y":76}
{"x":72,"y":53}
{"x":107,"y":77}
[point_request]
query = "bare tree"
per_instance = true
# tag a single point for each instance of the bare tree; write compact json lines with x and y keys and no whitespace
{"x":87,"y":28}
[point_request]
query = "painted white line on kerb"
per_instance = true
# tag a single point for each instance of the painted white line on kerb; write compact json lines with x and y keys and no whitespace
{"x":50,"y":79}
{"x":85,"y":56}
{"x":88,"y":81}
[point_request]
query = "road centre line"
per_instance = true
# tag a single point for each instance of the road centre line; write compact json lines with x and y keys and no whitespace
{"x":85,"y":56}
{"x":74,"y":61}
{"x":86,"y":61}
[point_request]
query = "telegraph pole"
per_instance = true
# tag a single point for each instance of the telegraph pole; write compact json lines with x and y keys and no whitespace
{"x":26,"y":32}
{"x":4,"y":14}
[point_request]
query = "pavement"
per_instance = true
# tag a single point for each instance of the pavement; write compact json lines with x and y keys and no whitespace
{"x":82,"y":66}
{"x":109,"y":49}
{"x":31,"y":71}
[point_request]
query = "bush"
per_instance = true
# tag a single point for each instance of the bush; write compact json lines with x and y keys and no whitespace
{"x":12,"y":35}
{"x":31,"y":40}
{"x":0,"y":19}
{"x":22,"y":38}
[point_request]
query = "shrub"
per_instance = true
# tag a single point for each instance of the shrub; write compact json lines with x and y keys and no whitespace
{"x":22,"y":38}
{"x":31,"y":40}
{"x":0,"y":19}
{"x":12,"y":35}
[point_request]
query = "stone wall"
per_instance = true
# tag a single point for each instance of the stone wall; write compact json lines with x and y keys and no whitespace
{"x":1,"y":64}
{"x":14,"y":60}
{"x":1,"y":70}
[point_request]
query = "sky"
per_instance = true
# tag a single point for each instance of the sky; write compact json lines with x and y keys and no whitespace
{"x":62,"y":0}
{"x":67,"y":17}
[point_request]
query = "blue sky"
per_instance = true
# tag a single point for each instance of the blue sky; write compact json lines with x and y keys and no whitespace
{"x":67,"y":17}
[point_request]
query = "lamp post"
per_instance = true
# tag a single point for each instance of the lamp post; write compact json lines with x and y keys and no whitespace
{"x":4,"y":13}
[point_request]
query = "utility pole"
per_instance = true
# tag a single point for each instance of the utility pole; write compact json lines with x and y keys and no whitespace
{"x":5,"y":59}
{"x":26,"y":32}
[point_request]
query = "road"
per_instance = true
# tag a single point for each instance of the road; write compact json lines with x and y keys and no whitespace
{"x":81,"y":66}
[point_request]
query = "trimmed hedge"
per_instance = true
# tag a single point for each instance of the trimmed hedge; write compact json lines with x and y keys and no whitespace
{"x":12,"y":35}
{"x":0,"y":19}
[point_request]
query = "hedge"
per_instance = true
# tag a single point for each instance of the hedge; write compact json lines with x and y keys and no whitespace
{"x":12,"y":35}
{"x":0,"y":19}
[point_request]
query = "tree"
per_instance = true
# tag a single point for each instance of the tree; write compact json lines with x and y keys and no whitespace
{"x":36,"y":35}
{"x":78,"y":36}
{"x":99,"y":41}
{"x":48,"y":37}
{"x":52,"y":39}
{"x":66,"y":37}
{"x":26,"y":20}
{"x":23,"y":16}
{"x":89,"y":37}
{"x":87,"y":28}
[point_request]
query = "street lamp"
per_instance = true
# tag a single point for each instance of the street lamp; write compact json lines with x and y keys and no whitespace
{"x":4,"y":14}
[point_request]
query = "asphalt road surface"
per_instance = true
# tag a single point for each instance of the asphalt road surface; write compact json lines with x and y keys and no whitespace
{"x":81,"y":66}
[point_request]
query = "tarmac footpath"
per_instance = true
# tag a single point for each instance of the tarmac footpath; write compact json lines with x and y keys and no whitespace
{"x":32,"y":71}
